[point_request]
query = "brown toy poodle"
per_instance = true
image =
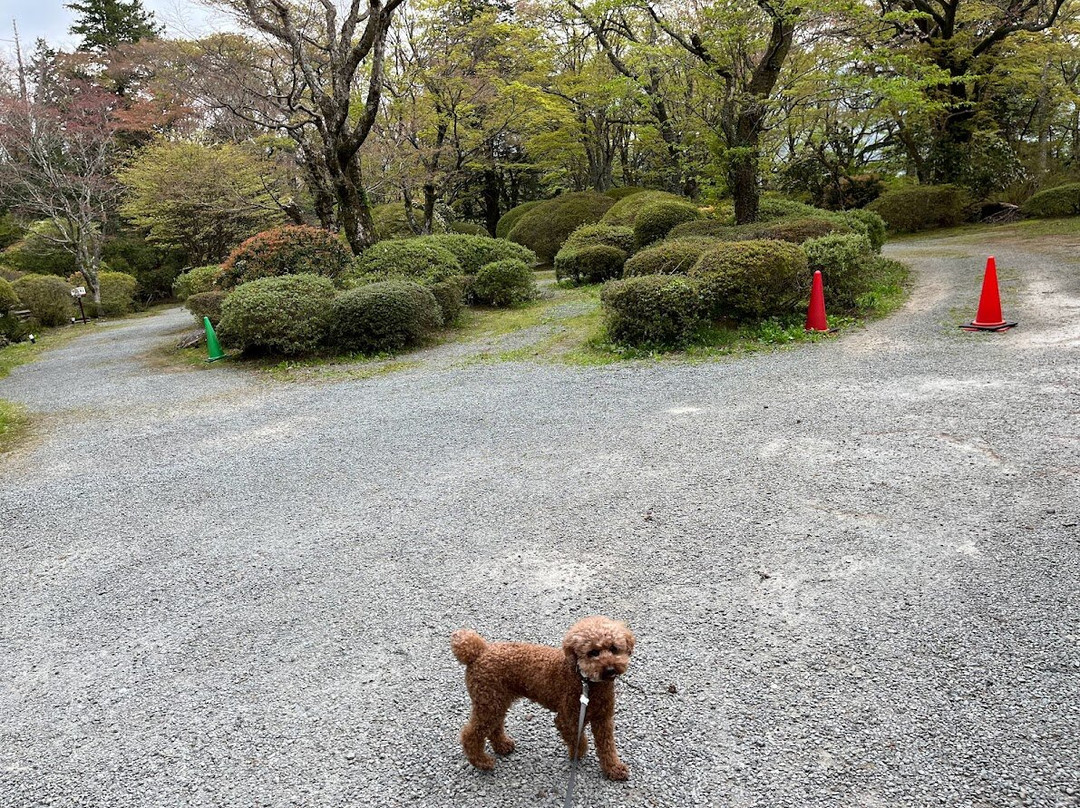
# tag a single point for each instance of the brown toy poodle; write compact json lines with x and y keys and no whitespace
{"x":498,"y":674}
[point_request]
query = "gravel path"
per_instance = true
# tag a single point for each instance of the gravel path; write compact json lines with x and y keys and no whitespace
{"x":853,"y":568}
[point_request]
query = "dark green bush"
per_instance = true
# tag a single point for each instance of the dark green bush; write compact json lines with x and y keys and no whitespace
{"x":13,"y":329}
{"x":655,"y":220}
{"x":472,"y":252}
{"x":853,"y":192}
{"x":845,"y":265}
{"x":285,"y":315}
{"x":469,"y":229}
{"x":117,"y":293}
{"x":594,"y":235}
{"x":8,"y":299}
{"x":510,"y":218}
{"x":47,"y":296}
{"x":1063,"y":200}
{"x":869,"y":224}
{"x":653,"y":310}
{"x":288,"y":250}
{"x":503,"y":283}
{"x":670,"y":257}
{"x":544,"y":228}
{"x":753,"y":280}
{"x":622,"y":193}
{"x":771,"y":208}
{"x":385,"y":316}
{"x":921,"y":207}
{"x":625,"y":211}
{"x":154,"y":267}
{"x":590,"y":264}
{"x":194,"y":281}
{"x":40,"y":252}
{"x":10,"y":230}
{"x":450,"y":295}
{"x":205,"y":304}
{"x":419,"y":259}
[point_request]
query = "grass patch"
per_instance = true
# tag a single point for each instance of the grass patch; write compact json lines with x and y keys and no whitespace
{"x":1022,"y":230}
{"x":13,"y":423}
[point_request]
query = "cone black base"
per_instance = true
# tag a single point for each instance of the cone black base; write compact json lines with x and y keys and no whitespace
{"x":975,"y":327}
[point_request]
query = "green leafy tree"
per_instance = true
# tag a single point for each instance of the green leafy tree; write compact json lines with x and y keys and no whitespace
{"x":106,"y":24}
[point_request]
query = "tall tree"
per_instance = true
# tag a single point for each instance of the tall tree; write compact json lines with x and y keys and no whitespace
{"x":106,"y":24}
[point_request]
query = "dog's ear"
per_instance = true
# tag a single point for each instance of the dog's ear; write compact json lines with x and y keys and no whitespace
{"x":630,"y":641}
{"x":569,"y":647}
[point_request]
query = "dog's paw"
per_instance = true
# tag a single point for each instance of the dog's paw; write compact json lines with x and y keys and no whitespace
{"x":619,"y":771}
{"x":503,"y":745}
{"x":485,"y":763}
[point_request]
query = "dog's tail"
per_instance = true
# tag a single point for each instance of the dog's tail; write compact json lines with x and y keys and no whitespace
{"x":467,"y":645}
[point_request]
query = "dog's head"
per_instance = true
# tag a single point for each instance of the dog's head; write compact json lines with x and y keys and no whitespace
{"x":599,"y":648}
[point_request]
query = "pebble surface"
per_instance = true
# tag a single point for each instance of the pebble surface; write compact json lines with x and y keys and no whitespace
{"x":853,"y":568}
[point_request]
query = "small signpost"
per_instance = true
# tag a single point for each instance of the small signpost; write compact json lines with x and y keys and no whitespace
{"x":79,"y":292}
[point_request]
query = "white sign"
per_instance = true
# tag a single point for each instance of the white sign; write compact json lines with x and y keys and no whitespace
{"x":78,"y":291}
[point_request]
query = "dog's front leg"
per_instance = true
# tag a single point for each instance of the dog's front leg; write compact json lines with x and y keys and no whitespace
{"x":603,"y":730}
{"x":568,"y":729}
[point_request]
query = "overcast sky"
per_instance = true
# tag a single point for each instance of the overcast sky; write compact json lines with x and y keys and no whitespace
{"x":50,"y":20}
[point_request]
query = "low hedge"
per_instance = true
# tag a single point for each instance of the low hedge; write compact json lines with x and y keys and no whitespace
{"x":205,"y":304}
{"x":845,"y":265}
{"x":544,"y":228}
{"x":47,"y":297}
{"x":194,"y":281}
{"x":503,"y":283}
{"x":1064,"y":200}
{"x":594,"y":235}
{"x":420,"y":259}
{"x":384,"y":316}
{"x":590,"y":264}
{"x":8,"y":299}
{"x":656,"y":219}
{"x":670,"y":257}
{"x":290,"y":250}
{"x":869,"y":224}
{"x":472,"y":252}
{"x":510,"y":218}
{"x":752,"y":280}
{"x":284,"y":315}
{"x":795,"y":230}
{"x":624,"y":212}
{"x":652,"y":311}
{"x":450,"y":295}
{"x":922,"y":207}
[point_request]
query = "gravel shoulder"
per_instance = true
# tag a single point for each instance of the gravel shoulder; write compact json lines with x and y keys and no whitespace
{"x":853,"y":568}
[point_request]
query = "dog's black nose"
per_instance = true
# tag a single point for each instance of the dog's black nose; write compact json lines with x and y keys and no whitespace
{"x":610,"y":673}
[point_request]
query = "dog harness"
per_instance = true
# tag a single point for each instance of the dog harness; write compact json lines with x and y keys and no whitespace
{"x":577,"y":741}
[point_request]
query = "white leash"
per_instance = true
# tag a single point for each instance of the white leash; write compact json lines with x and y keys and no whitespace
{"x":577,"y":742}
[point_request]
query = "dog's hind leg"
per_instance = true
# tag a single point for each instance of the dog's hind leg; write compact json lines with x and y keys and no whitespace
{"x":568,"y":729}
{"x":502,"y":743}
{"x":473,"y":736}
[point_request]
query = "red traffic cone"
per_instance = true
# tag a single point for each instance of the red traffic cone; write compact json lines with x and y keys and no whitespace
{"x":989,"y":318}
{"x":815,"y":315}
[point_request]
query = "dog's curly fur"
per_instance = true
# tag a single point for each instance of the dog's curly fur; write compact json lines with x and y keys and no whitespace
{"x":498,"y":674}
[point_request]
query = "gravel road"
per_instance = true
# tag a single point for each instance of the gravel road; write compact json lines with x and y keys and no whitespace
{"x":853,"y":568}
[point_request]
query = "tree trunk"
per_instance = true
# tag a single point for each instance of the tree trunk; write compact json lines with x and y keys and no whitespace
{"x":491,"y":200}
{"x":742,"y":176}
{"x":353,"y":208}
{"x":429,"y":209}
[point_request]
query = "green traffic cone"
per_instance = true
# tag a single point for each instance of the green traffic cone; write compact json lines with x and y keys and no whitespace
{"x":213,"y":347}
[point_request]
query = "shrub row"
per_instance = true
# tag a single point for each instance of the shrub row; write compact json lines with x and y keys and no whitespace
{"x":1064,"y":200}
{"x":921,"y":207}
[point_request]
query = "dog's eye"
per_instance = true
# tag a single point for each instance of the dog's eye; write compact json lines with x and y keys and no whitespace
{"x":594,"y":652}
{"x":614,"y":649}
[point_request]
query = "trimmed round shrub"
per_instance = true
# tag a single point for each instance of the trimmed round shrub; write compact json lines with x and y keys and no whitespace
{"x":653,"y":310}
{"x":752,"y":280}
{"x":544,"y":228}
{"x":47,"y":296}
{"x":656,"y":219}
{"x":625,"y":211}
{"x":421,"y":259}
{"x":503,"y":283}
{"x":594,"y":235}
{"x":117,"y":293}
{"x":205,"y":304}
{"x":469,"y":229}
{"x":590,"y":264}
{"x":671,"y":257}
{"x":450,"y":295}
{"x":622,"y":193}
{"x":705,"y":228}
{"x":510,"y":218}
{"x":194,"y":281}
{"x":8,"y":299}
{"x":921,"y":207}
{"x":1063,"y":200}
{"x":472,"y":252}
{"x":384,"y":316}
{"x":286,"y":315}
{"x":869,"y":224}
{"x":844,"y":263}
{"x":288,"y":250}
